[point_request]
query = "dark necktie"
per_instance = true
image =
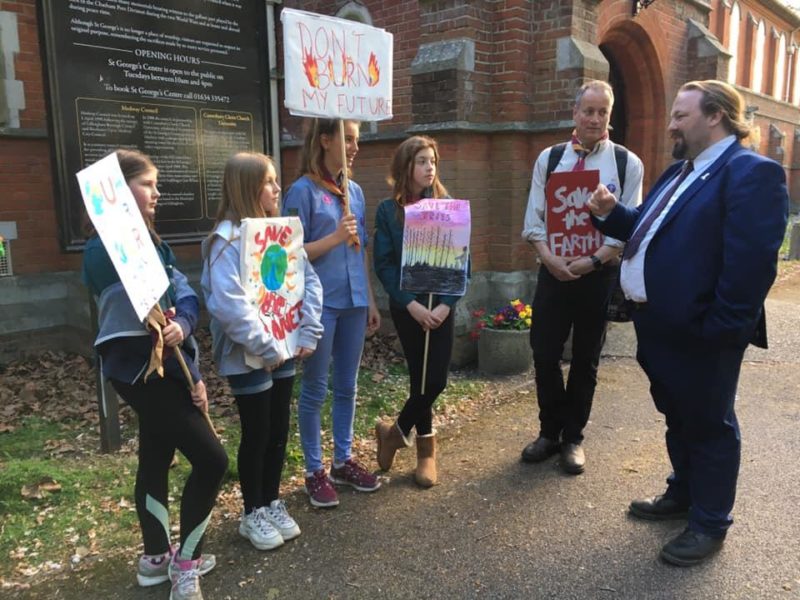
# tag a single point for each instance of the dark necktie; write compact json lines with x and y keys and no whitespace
{"x":638,"y":235}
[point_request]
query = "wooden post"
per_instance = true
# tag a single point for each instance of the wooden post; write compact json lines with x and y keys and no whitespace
{"x":107,"y":400}
{"x":425,"y":352}
{"x":345,"y":179}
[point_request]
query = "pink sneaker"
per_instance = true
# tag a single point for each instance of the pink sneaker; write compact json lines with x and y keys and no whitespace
{"x":353,"y":474}
{"x":320,"y":491}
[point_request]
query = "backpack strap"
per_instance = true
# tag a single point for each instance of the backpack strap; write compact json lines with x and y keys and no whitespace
{"x":621,"y":157}
{"x":556,"y":152}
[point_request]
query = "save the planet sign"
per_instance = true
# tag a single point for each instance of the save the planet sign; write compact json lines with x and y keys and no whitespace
{"x":272,"y":269}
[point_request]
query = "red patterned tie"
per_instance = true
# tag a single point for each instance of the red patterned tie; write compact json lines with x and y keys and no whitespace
{"x":638,"y":235}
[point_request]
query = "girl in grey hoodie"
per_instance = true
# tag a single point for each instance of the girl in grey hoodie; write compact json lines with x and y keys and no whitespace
{"x":250,"y":190}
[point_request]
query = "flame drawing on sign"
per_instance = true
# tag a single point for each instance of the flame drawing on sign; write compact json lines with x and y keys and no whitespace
{"x":374,"y":71}
{"x":310,"y":68}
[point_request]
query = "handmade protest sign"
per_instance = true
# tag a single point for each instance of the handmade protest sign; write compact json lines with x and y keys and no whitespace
{"x":570,"y":232}
{"x":117,"y":220}
{"x":436,"y":247}
{"x":336,"y":68}
{"x":272,"y":269}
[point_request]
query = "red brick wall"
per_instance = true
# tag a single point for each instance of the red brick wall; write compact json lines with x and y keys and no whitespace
{"x":513,"y":90}
{"x":26,"y":195}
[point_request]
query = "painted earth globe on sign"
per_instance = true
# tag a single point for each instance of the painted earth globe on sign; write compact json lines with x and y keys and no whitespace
{"x":273,"y":267}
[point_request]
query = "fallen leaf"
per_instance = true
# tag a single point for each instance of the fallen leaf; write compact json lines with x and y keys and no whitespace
{"x":37,"y":491}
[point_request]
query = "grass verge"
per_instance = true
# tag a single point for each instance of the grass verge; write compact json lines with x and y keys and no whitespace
{"x":62,"y":502}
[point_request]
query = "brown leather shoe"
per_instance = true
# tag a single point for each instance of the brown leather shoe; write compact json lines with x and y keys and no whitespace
{"x":539,"y":449}
{"x":573,"y":460}
{"x":690,"y":548}
{"x":658,"y":508}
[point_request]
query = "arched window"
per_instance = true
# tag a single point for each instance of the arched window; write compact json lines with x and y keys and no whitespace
{"x":758,"y":59}
{"x":354,"y":11}
{"x":733,"y":42}
{"x":780,"y":67}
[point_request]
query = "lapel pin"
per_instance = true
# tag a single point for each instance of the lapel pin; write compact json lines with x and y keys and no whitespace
{"x":704,"y":176}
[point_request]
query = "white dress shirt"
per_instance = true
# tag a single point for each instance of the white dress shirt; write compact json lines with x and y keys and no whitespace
{"x":632,"y":272}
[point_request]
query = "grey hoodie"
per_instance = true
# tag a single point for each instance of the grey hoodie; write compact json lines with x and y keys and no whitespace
{"x":235,"y":327}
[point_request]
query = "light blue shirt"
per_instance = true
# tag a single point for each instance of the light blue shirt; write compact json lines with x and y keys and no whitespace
{"x":341,"y":270}
{"x":632,"y":271}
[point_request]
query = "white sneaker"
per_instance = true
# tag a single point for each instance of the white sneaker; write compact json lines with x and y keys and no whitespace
{"x":277,"y":514}
{"x":185,"y":577}
{"x":256,"y":528}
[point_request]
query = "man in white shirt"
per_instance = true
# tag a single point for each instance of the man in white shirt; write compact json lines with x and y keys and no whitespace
{"x":700,"y":258}
{"x":573,"y":293}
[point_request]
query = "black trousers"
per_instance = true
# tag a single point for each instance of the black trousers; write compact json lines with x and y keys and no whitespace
{"x":559,"y":306}
{"x":417,"y":412}
{"x":168,"y":421}
{"x":264,"y":418}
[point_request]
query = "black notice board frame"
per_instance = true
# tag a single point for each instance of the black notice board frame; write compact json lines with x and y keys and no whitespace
{"x":187,"y":94}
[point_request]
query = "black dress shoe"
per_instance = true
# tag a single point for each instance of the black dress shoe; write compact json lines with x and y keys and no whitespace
{"x":690,"y":548}
{"x":658,"y":508}
{"x":573,"y":460}
{"x":539,"y":449}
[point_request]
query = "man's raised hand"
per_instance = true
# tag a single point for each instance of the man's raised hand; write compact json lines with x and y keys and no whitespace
{"x":601,"y":202}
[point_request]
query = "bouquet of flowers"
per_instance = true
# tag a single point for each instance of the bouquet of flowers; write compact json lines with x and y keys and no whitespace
{"x":514,"y":315}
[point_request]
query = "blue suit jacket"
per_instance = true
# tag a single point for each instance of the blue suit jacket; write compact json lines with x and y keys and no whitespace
{"x":710,"y":264}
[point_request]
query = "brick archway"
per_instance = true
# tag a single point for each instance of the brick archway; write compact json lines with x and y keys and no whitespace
{"x":630,"y":50}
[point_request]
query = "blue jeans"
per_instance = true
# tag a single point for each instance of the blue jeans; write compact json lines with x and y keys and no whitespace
{"x":342,"y":342}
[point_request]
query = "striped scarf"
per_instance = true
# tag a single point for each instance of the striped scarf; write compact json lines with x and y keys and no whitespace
{"x":582,"y":151}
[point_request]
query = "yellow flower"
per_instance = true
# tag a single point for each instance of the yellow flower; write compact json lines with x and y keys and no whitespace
{"x":528,"y":322}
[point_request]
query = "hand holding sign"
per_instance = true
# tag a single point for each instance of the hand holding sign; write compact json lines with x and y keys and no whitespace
{"x":601,"y":202}
{"x":348,"y":229}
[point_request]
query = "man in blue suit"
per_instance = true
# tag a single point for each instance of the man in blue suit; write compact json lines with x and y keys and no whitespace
{"x":700,"y":258}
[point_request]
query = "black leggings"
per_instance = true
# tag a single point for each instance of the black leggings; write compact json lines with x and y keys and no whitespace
{"x":168,"y":421}
{"x":417,"y":411}
{"x":265,"y":429}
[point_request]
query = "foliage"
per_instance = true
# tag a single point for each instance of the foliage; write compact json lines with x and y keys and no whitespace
{"x":515,"y":315}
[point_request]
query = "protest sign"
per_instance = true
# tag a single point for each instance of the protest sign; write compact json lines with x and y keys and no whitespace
{"x":570,"y":232}
{"x":436,"y":247}
{"x":117,"y":220}
{"x":336,"y":68}
{"x":272,"y":270}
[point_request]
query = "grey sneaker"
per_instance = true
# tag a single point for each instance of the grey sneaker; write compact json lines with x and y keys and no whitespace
{"x":153,"y":570}
{"x":277,"y":514}
{"x":185,"y":577}
{"x":257,"y":528}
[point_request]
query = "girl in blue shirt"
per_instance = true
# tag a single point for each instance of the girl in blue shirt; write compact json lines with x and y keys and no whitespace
{"x":413,"y":176}
{"x":335,"y":243}
{"x":263,"y":395}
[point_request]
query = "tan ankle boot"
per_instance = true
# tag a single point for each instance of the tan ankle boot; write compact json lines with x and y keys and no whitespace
{"x":390,"y":440}
{"x":425,"y":475}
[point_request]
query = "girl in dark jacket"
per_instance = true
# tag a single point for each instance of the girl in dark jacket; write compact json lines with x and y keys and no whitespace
{"x":170,"y":416}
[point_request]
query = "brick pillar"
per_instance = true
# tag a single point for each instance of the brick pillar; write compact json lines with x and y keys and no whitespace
{"x":706,"y":56}
{"x":749,"y":50}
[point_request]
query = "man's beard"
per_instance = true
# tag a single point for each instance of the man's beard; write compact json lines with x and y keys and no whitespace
{"x":679,"y":149}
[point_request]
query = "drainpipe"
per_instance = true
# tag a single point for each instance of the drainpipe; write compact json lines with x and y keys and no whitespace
{"x":274,"y":125}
